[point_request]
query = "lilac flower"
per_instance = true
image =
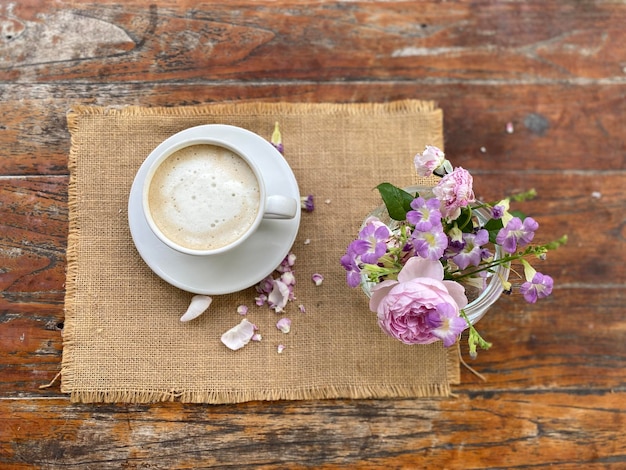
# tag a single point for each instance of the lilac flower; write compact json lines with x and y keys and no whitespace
{"x":375,"y":238}
{"x":472,"y":253}
{"x":455,"y":241}
{"x":516,"y":233}
{"x":445,"y":323}
{"x":497,"y":212}
{"x":425,"y":214}
{"x":350,"y":263}
{"x":539,"y":288}
{"x":431,"y":244}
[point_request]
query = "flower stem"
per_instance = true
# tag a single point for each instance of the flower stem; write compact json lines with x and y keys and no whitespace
{"x":474,"y":339}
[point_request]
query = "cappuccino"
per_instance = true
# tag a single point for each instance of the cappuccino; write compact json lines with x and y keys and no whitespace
{"x":204,"y":197}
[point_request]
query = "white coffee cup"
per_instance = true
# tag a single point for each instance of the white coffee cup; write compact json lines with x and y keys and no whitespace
{"x":203,"y":196}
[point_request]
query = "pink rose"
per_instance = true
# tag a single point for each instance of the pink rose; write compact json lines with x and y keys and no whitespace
{"x":454,"y":191}
{"x":420,"y":307}
{"x":428,"y":161}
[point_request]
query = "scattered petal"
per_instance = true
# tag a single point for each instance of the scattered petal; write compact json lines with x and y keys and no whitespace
{"x":317,"y":279}
{"x":509,"y":128}
{"x":327,"y":201}
{"x":279,"y":296}
{"x":256,"y":337}
{"x":483,"y":149}
{"x":238,"y":336}
{"x":260,"y":300}
{"x":301,"y":308}
{"x":288,"y":278}
{"x":307,"y":241}
{"x":596,"y":194}
{"x":307,"y":203}
{"x":281,"y":348}
{"x":284,"y":325}
{"x":242,"y":310}
{"x":199,"y":303}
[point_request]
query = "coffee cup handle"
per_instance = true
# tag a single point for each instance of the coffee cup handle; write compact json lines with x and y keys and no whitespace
{"x":280,"y":207}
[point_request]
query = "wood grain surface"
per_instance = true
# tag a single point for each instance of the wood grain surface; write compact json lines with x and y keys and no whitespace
{"x":554,"y":394}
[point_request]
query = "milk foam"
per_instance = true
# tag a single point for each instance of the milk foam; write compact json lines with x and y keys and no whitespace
{"x":204,"y":197}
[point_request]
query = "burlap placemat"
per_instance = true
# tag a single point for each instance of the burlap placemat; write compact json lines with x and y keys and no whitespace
{"x":123,"y":340}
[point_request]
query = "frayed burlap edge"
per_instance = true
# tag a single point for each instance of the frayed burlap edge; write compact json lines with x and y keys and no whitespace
{"x":215,"y":398}
{"x":67,"y":374}
{"x":262,"y":108}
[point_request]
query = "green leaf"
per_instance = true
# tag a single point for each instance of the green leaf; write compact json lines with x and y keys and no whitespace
{"x":464,"y":221}
{"x":493,"y":226}
{"x":397,"y":201}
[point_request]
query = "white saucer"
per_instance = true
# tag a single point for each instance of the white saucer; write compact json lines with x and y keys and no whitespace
{"x":244,"y":266}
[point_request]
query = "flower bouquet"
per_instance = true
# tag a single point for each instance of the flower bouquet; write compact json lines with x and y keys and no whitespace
{"x":432,"y":260}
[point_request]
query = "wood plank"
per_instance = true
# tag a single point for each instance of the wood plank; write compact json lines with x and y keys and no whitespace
{"x":572,"y":339}
{"x":34,"y":226}
{"x":555,"y":128}
{"x":532,"y":41}
{"x":571,"y":430}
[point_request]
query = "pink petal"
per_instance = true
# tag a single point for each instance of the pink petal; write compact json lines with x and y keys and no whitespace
{"x":457,"y":292}
{"x":379,"y":292}
{"x":238,"y":336}
{"x":284,"y":325}
{"x":420,"y":267}
{"x":317,"y":278}
{"x":279,"y":296}
{"x":199,"y":303}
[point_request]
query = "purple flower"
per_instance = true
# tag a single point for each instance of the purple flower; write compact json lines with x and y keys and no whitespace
{"x":425,"y":214}
{"x":516,"y":233}
{"x":430,"y":245}
{"x":351,"y":265}
{"x":497,"y":212}
{"x":307,"y":204}
{"x":472,"y":253}
{"x":420,"y":307}
{"x":539,"y":288}
{"x":277,"y":139}
{"x":428,"y":161}
{"x":454,"y":191}
{"x":446,"y":323}
{"x":373,"y":238}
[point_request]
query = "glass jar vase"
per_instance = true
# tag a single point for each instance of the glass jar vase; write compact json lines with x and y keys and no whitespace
{"x":479,"y":300}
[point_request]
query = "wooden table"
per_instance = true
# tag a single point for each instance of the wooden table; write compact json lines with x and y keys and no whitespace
{"x":555,"y":391}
